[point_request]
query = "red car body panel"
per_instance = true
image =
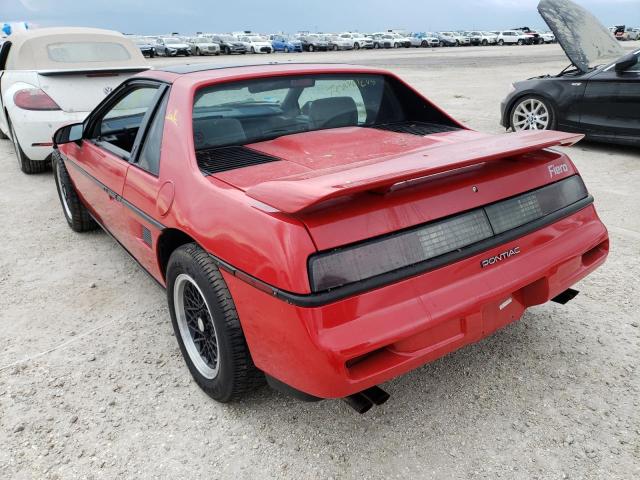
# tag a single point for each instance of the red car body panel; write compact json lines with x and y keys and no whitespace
{"x":399,"y":327}
{"x":332,"y":188}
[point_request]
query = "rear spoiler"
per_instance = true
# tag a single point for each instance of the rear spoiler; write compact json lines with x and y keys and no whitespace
{"x":88,"y":71}
{"x":300,"y":192}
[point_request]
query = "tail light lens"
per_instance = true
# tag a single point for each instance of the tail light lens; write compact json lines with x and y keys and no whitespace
{"x":392,"y":252}
{"x":34,"y":99}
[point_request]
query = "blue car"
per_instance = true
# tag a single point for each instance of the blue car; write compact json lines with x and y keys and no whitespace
{"x":280,"y":43}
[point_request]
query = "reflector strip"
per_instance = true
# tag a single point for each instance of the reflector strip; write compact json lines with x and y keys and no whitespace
{"x":374,"y":257}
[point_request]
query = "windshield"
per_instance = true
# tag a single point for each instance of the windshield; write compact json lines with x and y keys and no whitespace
{"x":257,"y":39}
{"x":172,"y":41}
{"x":257,"y":110}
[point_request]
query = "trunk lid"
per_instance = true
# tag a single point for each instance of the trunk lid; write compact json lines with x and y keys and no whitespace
{"x":351,"y":184}
{"x":82,"y":90}
{"x":584,"y":39}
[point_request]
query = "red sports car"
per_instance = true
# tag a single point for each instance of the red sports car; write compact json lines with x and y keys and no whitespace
{"x":324,"y":226}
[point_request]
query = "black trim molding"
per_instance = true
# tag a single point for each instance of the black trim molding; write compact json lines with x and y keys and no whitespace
{"x":116,"y":196}
{"x":330,"y":296}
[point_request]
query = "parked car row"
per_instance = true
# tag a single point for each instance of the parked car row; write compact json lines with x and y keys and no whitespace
{"x":249,"y":42}
{"x":624,"y":33}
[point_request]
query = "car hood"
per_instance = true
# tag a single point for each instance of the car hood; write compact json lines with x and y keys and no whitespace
{"x":177,"y":45}
{"x":584,"y":39}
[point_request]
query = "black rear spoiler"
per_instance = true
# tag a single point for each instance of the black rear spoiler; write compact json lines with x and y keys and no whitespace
{"x":88,"y":71}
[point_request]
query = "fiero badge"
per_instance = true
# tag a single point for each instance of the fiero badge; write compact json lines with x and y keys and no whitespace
{"x":557,"y":170}
{"x":487,"y":262}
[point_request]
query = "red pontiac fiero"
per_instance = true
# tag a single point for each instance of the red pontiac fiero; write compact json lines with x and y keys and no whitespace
{"x":324,"y":226}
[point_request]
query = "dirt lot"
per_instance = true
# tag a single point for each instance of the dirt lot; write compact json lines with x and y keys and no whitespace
{"x":92,"y":384}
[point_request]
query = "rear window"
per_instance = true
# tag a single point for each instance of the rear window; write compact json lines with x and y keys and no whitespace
{"x":81,"y":52}
{"x":262,"y":109}
{"x":240,"y":113}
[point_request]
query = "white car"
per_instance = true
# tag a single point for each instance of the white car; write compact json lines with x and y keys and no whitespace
{"x":257,"y":44}
{"x":458,"y":37}
{"x":511,"y":37}
{"x":548,"y":37}
{"x":51,"y":77}
{"x":357,"y":40}
{"x":203,"y":46}
{"x":337,"y":42}
{"x":398,"y":40}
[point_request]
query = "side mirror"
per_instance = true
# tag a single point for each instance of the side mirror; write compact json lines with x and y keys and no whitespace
{"x":68,"y":134}
{"x":626,"y":62}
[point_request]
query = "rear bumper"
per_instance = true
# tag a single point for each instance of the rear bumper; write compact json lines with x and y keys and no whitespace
{"x":344,"y":347}
{"x":37,"y":127}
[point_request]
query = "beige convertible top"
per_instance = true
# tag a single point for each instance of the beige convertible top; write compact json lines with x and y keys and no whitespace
{"x":44,"y":49}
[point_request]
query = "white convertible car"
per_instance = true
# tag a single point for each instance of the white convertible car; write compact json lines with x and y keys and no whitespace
{"x":50,"y":77}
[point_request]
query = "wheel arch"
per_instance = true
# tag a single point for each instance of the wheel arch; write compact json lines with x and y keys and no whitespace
{"x":169,"y":240}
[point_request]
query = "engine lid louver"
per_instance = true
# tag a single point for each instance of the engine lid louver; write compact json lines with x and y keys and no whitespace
{"x":416,"y":128}
{"x":222,"y":159}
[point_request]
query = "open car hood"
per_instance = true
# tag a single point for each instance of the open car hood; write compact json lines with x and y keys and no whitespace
{"x":584,"y":39}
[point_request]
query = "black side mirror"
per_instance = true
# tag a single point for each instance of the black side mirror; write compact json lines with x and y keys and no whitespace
{"x":68,"y":134}
{"x":626,"y":62}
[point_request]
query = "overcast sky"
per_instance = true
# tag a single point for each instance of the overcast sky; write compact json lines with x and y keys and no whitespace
{"x":188,"y":16}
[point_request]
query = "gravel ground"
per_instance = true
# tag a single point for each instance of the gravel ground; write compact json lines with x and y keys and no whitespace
{"x":92,"y":384}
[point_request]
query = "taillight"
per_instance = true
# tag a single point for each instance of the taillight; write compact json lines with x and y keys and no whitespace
{"x":34,"y":99}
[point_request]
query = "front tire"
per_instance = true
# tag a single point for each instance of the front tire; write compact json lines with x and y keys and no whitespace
{"x":532,"y":112}
{"x":207,"y":326}
{"x":75,"y":213}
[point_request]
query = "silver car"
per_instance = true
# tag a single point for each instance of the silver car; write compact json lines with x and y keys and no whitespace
{"x":203,"y":46}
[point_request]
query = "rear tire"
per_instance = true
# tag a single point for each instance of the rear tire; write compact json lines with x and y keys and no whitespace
{"x":74,"y":211}
{"x":208,"y":329}
{"x":27,"y":165}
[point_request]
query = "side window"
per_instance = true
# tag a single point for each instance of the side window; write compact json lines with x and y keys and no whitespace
{"x":119,"y":126}
{"x":336,"y":89}
{"x":149,"y":158}
{"x":636,"y":67}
